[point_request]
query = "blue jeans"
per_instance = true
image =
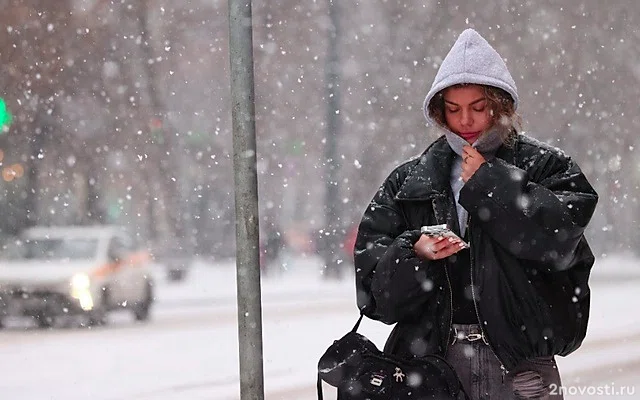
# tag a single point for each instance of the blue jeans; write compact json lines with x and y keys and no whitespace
{"x":482,"y":378}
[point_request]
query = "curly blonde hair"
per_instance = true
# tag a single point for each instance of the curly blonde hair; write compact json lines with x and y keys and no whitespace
{"x":501,"y":106}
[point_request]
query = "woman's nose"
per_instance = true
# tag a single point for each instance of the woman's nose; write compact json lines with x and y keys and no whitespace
{"x":466,"y":119}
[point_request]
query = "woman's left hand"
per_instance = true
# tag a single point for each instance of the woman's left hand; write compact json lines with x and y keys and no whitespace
{"x":471,"y":161}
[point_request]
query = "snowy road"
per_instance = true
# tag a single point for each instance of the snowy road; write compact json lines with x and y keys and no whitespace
{"x":175,"y":354}
{"x":189,"y":349}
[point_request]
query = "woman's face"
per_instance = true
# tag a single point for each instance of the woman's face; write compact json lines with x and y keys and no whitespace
{"x":467,"y":112}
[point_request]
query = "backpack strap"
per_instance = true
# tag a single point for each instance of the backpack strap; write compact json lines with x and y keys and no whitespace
{"x":319,"y":388}
{"x":355,"y":328}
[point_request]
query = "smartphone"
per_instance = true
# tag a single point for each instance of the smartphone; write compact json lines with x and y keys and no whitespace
{"x":441,"y":230}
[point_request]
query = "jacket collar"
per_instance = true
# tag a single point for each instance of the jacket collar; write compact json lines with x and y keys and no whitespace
{"x":430,"y":178}
{"x":508,"y":153}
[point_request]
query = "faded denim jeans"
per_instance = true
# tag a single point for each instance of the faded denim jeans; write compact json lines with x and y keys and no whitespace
{"x":479,"y":371}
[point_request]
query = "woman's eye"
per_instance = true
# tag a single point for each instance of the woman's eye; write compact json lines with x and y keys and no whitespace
{"x":481,"y":109}
{"x":449,"y":110}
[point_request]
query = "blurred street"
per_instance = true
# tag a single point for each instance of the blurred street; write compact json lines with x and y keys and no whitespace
{"x":189,"y":348}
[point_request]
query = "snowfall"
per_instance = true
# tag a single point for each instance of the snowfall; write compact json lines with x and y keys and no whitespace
{"x":189,"y":350}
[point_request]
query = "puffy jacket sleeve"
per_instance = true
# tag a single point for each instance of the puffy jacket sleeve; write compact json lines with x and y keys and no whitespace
{"x":537,"y":214}
{"x":392,"y":282}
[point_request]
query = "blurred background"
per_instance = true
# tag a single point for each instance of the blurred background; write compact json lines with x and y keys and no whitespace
{"x":118,"y":113}
{"x":120,"y":110}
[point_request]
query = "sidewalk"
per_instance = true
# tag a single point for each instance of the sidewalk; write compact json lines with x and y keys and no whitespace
{"x":215,"y":284}
{"x":615,"y":283}
{"x":613,"y":321}
{"x":613,"y":335}
{"x":611,"y":348}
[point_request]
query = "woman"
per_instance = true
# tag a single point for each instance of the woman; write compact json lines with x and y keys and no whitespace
{"x":500,"y":310}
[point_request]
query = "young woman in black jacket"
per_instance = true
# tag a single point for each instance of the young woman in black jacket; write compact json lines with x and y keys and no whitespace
{"x":503,"y":308}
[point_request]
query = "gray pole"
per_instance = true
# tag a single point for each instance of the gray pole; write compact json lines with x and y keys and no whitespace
{"x":246,"y":198}
{"x":332,"y":76}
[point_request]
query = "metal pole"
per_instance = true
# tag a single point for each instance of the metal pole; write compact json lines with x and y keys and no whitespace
{"x":246,"y":201}
{"x":332,"y":74}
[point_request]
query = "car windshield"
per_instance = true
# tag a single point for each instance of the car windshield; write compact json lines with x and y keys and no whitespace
{"x":52,"y":249}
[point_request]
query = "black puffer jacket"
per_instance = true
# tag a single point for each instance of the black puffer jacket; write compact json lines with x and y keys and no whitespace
{"x":530,"y":262}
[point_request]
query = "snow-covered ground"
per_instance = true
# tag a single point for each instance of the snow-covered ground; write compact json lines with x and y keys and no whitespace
{"x":190,"y":349}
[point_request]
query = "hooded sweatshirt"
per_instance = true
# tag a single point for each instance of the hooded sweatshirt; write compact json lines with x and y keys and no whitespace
{"x":470,"y":60}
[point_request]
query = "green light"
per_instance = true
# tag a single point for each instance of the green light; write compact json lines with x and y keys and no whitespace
{"x":5,"y":116}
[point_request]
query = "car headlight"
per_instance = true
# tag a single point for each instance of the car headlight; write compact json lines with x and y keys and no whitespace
{"x":80,"y":289}
{"x":80,"y":282}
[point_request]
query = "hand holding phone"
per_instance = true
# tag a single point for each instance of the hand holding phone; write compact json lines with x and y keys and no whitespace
{"x":444,"y":231}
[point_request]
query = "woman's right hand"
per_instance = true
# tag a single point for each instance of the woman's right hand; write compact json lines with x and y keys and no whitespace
{"x":436,"y":248}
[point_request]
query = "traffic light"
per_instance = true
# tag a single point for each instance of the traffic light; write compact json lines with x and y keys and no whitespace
{"x":5,"y":116}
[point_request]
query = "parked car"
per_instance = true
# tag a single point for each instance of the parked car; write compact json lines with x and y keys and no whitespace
{"x":55,"y":272}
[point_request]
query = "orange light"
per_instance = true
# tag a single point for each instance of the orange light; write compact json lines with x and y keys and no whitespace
{"x":19,"y":171}
{"x":8,"y":174}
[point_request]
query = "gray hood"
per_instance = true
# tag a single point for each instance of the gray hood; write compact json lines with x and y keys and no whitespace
{"x":472,"y":60}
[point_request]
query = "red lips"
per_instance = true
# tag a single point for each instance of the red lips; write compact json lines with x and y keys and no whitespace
{"x":469,"y":136}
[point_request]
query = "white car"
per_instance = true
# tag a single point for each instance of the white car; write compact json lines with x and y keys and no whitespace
{"x":55,"y":272}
